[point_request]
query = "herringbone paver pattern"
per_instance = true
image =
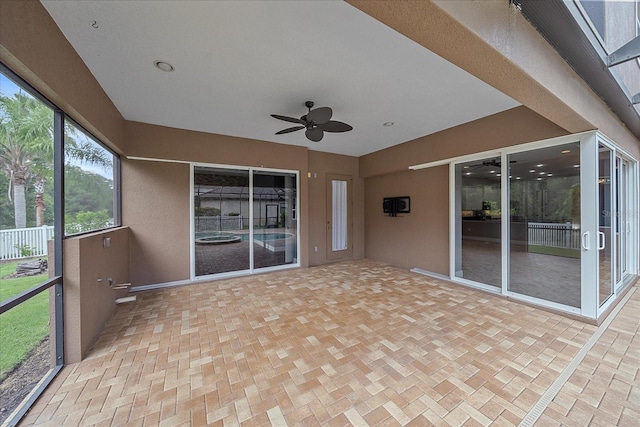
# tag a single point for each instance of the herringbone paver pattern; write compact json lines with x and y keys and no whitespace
{"x":357,"y":343}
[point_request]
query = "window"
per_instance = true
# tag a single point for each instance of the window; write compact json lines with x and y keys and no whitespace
{"x":614,"y":24}
{"x":90,"y":201}
{"x":36,"y":138}
{"x":30,"y":328}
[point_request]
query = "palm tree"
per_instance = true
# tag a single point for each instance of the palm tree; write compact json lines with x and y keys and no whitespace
{"x":15,"y":164}
{"x":26,"y":150}
{"x":23,"y":135}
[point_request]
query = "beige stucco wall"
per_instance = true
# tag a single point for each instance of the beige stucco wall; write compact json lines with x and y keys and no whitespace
{"x":321,"y":164}
{"x":416,"y":239}
{"x":516,"y":126}
{"x":155,"y":206}
{"x":33,"y":46}
{"x":89,"y":304}
{"x":156,"y":193}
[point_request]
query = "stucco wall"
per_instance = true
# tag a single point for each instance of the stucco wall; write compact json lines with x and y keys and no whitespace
{"x":156,"y":193}
{"x":32,"y":45}
{"x":416,"y":239}
{"x":321,"y":164}
{"x":89,"y":304}
{"x":155,"y":206}
{"x":511,"y":127}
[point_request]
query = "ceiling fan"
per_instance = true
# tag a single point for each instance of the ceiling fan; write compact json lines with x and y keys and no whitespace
{"x":316,"y":122}
{"x":490,"y":163}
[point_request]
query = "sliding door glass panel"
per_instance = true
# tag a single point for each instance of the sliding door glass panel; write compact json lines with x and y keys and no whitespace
{"x":623,"y":226}
{"x":275,"y":222}
{"x":221,"y":220}
{"x":605,"y":224}
{"x":478,"y":219}
{"x":544,"y":225}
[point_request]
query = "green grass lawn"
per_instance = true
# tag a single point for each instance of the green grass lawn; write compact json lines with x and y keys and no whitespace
{"x":547,"y":250}
{"x":23,"y":327}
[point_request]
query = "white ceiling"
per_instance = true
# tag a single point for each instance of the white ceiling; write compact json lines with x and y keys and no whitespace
{"x":237,"y":62}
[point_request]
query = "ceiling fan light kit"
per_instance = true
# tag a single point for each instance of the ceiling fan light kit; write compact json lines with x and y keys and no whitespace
{"x":316,"y":122}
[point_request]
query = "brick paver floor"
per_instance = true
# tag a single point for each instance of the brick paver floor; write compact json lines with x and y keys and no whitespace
{"x":355,"y":343}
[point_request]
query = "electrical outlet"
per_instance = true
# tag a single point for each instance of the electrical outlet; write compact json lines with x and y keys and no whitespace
{"x":315,"y":249}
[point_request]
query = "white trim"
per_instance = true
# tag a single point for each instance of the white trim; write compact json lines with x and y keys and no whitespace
{"x":505,"y":220}
{"x":477,"y":285}
{"x":543,"y":302}
{"x":251,"y":222}
{"x":192,"y":224}
{"x":161,"y":285}
{"x":430,"y":274}
{"x":211,"y":278}
{"x":251,"y":270}
{"x":589,"y":225}
{"x":452,"y":221}
{"x":152,"y":159}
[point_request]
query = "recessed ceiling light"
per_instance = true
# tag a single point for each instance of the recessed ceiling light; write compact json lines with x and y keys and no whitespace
{"x":576,"y":166}
{"x":466,"y":167}
{"x":492,"y":171}
{"x":499,"y":174}
{"x":532,"y":170}
{"x":517,"y":177}
{"x":387,"y":124}
{"x":540,"y":165}
{"x":565,"y":151}
{"x":164,"y":66}
{"x":468,"y":173}
{"x":539,"y":179}
{"x":549,"y":174}
{"x":541,"y":173}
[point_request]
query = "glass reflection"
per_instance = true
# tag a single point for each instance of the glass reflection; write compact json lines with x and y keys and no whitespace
{"x":478,"y":229}
{"x":544,"y":255}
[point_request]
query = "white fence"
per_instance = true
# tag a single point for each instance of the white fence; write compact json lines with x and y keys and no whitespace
{"x":218,"y":223}
{"x":25,"y":242}
{"x":554,"y":235}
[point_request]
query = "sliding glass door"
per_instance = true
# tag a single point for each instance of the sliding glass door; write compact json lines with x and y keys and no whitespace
{"x":570,"y":238}
{"x":604,"y":240}
{"x":544,"y":226}
{"x":221,"y":220}
{"x":243,"y":220}
{"x":275,"y":221}
{"x":478,"y":222}
{"x":627,"y":198}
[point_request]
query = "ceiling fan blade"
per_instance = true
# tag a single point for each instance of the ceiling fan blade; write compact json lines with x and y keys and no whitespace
{"x":320,"y":115}
{"x":287,"y":119}
{"x":314,"y":134}
{"x":334,"y":126}
{"x":293,"y":129}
